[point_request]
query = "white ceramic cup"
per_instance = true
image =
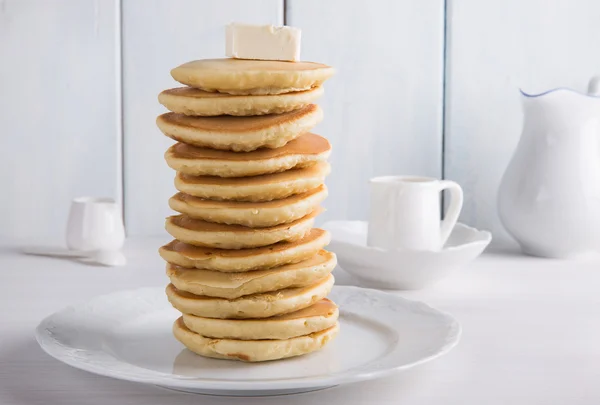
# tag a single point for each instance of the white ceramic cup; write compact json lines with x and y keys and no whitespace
{"x":95,"y":224}
{"x":405,"y":212}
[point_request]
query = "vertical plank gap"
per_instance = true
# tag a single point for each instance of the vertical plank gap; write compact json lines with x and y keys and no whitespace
{"x":444,"y":76}
{"x":119,"y":108}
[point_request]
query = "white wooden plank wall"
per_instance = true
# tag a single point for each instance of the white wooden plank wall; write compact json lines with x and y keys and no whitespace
{"x":159,"y":35}
{"x":495,"y":48}
{"x":60,"y":102}
{"x":383,"y":109}
{"x":57,"y":111}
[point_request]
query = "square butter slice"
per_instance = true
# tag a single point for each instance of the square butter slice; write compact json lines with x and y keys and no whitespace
{"x":263,"y":42}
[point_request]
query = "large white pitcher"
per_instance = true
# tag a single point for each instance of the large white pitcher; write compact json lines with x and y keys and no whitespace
{"x":549,"y":198}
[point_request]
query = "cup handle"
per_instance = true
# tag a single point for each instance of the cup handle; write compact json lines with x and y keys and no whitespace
{"x":456,"y":203}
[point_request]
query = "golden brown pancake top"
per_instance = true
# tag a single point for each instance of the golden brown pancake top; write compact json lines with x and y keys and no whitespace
{"x":192,"y":224}
{"x":315,"y":335}
{"x":210,"y":277}
{"x":267,"y":296}
{"x":306,"y":144}
{"x":325,"y":307}
{"x":245,"y":65}
{"x":199,"y":202}
{"x":229,"y":123}
{"x":319,"y":169}
{"x":200,"y":252}
{"x":192,"y":92}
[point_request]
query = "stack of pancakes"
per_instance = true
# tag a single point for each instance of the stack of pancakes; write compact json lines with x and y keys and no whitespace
{"x":247,"y":268}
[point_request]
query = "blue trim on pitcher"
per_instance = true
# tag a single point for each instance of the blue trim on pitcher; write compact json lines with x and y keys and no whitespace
{"x":524,"y":94}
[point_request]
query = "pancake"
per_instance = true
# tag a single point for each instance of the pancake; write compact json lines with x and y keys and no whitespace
{"x":303,"y":151}
{"x":265,"y":187}
{"x":262,"y":305}
{"x":240,"y":76}
{"x":235,"y":285}
{"x":191,"y":101}
{"x":252,"y":214}
{"x":185,"y":255}
{"x":322,"y":315}
{"x":240,"y":134}
{"x":252,"y":350}
{"x":210,"y":234}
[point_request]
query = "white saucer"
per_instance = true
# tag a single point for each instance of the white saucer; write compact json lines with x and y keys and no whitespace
{"x":402,"y":269}
{"x":127,"y":335}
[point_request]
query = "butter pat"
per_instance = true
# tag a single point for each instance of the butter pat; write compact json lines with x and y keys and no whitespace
{"x":264,"y":42}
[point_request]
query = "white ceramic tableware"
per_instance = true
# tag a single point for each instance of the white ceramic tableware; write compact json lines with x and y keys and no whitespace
{"x":109,"y":258}
{"x":95,"y":224}
{"x":127,"y":335}
{"x":549,"y":197}
{"x":405,"y":212}
{"x":402,"y":269}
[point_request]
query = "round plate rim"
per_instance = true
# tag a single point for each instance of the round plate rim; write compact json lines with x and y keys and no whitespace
{"x":168,"y":380}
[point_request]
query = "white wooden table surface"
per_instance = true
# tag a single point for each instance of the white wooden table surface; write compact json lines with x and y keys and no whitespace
{"x":531,"y":333}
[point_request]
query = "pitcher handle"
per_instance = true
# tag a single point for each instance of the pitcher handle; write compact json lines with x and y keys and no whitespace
{"x":594,"y":86}
{"x":456,"y":203}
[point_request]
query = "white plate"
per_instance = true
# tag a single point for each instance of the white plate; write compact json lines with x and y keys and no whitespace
{"x":127,"y":335}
